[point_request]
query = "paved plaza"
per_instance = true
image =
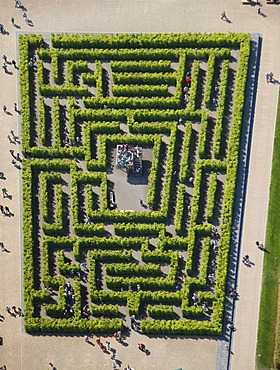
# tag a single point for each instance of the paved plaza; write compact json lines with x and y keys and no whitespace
{"x":21,"y":351}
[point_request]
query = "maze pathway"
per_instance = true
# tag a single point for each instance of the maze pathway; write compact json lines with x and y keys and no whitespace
{"x":89,"y":265}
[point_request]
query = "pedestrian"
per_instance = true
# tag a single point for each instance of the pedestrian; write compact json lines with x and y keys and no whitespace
{"x":259,"y":9}
{"x":10,"y":139}
{"x":8,"y":309}
{"x":4,"y":109}
{"x":270,"y":75}
{"x":108,"y":345}
{"x":20,"y":313}
{"x":245,"y":259}
{"x":2,"y":209}
{"x":4,"y":58}
{"x":14,"y":309}
{"x":119,"y":335}
{"x":88,"y":221}
{"x":230,"y":325}
{"x":2,"y":247}
{"x":102,"y":347}
{"x":98,"y":341}
{"x":12,"y":153}
{"x":114,"y":365}
{"x":259,"y":245}
{"x":4,"y":192}
{"x":15,"y":107}
{"x":13,"y":21}
{"x":115,"y":335}
{"x":5,"y":67}
{"x":141,"y":346}
{"x":14,"y":63}
{"x":223,"y":16}
{"x":18,"y":157}
{"x":141,"y":202}
{"x":18,"y":4}
{"x":86,"y":339}
{"x":51,"y":365}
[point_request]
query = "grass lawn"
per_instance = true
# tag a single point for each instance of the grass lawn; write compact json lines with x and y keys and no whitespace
{"x":271,"y":269}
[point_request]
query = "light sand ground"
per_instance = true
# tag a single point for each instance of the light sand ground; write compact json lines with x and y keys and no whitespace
{"x":21,"y":351}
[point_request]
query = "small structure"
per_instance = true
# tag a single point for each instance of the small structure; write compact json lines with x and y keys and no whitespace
{"x":129,"y":158}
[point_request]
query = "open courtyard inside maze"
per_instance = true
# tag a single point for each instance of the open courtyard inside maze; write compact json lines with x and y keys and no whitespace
{"x":131,"y":146}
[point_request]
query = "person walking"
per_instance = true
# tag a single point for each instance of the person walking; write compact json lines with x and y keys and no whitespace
{"x":259,"y":245}
{"x":142,"y":347}
{"x":223,"y":16}
{"x":4,"y":109}
{"x":8,"y":309}
{"x":18,"y":4}
{"x":4,"y":192}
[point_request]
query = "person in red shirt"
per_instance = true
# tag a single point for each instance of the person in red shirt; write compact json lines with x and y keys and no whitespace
{"x":141,"y":346}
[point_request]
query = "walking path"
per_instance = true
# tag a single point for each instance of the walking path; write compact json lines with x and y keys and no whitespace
{"x":22,"y":351}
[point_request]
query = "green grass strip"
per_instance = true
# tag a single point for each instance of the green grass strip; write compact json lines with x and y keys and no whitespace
{"x":271,"y":268}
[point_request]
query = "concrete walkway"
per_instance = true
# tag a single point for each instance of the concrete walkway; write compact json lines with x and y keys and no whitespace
{"x":22,"y":351}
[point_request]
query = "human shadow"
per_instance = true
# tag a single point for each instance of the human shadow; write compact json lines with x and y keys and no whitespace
{"x":226,"y":20}
{"x":9,"y":113}
{"x":275,"y":82}
{"x":16,"y":26}
{"x":9,"y":214}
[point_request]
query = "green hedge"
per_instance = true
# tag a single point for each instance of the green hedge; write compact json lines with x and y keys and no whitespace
{"x":151,"y":117}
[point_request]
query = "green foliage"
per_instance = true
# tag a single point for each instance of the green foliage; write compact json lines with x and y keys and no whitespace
{"x":221,"y":109}
{"x":183,"y":175}
{"x":149,"y":111}
{"x":211,"y":196}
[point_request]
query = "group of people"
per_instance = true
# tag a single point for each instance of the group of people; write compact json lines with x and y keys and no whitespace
{"x":106,"y":348}
{"x":187,"y":86}
{"x":19,"y":5}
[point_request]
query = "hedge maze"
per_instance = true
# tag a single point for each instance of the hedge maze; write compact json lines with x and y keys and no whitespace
{"x":88,"y":266}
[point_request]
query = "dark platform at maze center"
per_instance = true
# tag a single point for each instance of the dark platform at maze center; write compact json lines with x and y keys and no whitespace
{"x":129,"y":159}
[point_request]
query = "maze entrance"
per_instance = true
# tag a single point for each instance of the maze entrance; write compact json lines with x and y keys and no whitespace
{"x":94,"y":254}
